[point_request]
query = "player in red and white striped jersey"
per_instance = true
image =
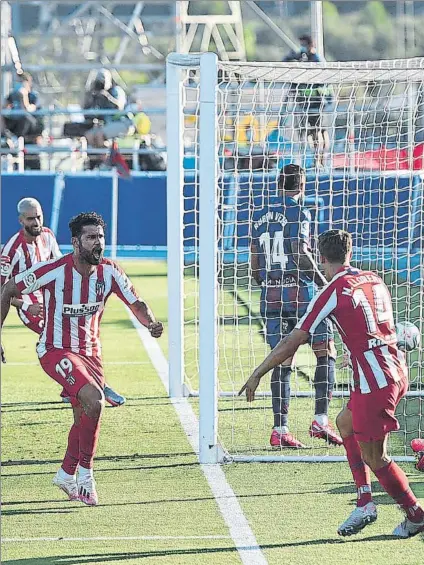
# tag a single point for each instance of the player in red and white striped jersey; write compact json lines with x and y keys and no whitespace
{"x":360,"y":305}
{"x":75,"y":290}
{"x":32,"y":245}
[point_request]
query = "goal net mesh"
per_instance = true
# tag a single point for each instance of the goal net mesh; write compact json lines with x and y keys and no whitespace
{"x":358,"y":130}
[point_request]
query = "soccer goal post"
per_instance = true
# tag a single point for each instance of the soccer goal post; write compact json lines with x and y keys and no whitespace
{"x":358,"y":130}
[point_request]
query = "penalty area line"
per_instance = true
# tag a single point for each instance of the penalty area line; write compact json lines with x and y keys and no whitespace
{"x":112,"y":538}
{"x":242,"y":535}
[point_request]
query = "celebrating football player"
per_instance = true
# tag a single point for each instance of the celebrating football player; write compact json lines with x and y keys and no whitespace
{"x":75,"y":289}
{"x":360,"y":305}
{"x":35,"y":244}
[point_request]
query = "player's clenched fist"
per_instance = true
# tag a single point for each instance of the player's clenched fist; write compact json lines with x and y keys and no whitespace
{"x":36,"y":310}
{"x":155,"y":329}
{"x":3,"y":356}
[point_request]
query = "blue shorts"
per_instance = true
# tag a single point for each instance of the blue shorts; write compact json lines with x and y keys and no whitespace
{"x":282,"y":308}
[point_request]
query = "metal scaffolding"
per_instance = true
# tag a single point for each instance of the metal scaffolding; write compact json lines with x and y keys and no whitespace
{"x":200,"y":31}
{"x":62,"y":43}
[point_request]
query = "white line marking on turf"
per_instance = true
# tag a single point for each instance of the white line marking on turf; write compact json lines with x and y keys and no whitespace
{"x":240,"y":531}
{"x":118,"y":538}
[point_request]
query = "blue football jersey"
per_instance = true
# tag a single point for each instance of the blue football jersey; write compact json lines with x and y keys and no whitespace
{"x":273,"y":230}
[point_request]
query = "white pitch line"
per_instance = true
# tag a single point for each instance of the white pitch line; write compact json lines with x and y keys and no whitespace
{"x":118,"y":538}
{"x":242,"y":535}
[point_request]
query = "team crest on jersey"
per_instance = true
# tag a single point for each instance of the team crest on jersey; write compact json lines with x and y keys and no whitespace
{"x":100,"y":287}
{"x":79,"y":310}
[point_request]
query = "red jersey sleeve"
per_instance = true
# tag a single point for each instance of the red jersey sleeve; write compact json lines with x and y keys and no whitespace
{"x":6,"y":268}
{"x":35,"y":278}
{"x":122,"y":286}
{"x":9,"y":258}
{"x":321,"y":306}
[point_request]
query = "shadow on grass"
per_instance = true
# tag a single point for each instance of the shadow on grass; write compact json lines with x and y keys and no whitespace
{"x":59,"y":405}
{"x":116,"y":557}
{"x":379,"y":496}
{"x":110,"y":469}
{"x":130,"y":457}
{"x":161,"y":501}
{"x":39,"y":511}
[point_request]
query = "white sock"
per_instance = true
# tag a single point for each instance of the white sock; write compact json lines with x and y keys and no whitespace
{"x":64,"y":475}
{"x":282,"y":429}
{"x":84,"y":473}
{"x":321,"y":419}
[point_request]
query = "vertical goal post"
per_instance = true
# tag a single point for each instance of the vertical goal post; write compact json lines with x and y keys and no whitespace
{"x":372,"y":185}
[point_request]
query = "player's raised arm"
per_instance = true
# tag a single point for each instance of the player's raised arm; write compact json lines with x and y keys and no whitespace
{"x":125,"y":290}
{"x":144,"y":315}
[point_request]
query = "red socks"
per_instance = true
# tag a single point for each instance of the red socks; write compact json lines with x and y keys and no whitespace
{"x":70,"y":461}
{"x":88,"y":438}
{"x":396,"y":484}
{"x":360,"y":471}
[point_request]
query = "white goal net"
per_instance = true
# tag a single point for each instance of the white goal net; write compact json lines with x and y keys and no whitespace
{"x":358,"y":130}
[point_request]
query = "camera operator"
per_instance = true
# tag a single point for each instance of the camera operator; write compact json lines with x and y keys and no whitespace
{"x":105,"y":95}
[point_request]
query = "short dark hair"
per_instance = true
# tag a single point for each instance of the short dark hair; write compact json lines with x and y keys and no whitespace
{"x":335,"y":245}
{"x":85,"y":219}
{"x":290,"y":177}
{"x":307,"y":39}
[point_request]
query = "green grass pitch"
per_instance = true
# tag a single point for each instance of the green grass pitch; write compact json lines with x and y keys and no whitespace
{"x":149,"y":482}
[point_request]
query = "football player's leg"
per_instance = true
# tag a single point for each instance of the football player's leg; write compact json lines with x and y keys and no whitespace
{"x":83,"y":381}
{"x":324,"y":378}
{"x":65,"y":478}
{"x":92,"y":400}
{"x":395,"y":482}
{"x":373,"y":420}
{"x":280,"y":378}
{"x":360,"y":470}
{"x":276,"y":329}
{"x":113,"y":397}
{"x":365,"y":512}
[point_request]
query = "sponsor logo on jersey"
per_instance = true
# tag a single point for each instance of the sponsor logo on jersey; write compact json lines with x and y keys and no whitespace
{"x":78,"y":310}
{"x":289,"y":281}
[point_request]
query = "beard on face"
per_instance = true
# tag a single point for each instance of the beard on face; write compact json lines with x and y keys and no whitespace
{"x":93,"y":257}
{"x":33,"y":230}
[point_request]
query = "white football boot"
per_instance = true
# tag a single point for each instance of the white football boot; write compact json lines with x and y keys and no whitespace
{"x":360,"y":517}
{"x":87,"y":491}
{"x":69,"y":486}
{"x":408,"y":529}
